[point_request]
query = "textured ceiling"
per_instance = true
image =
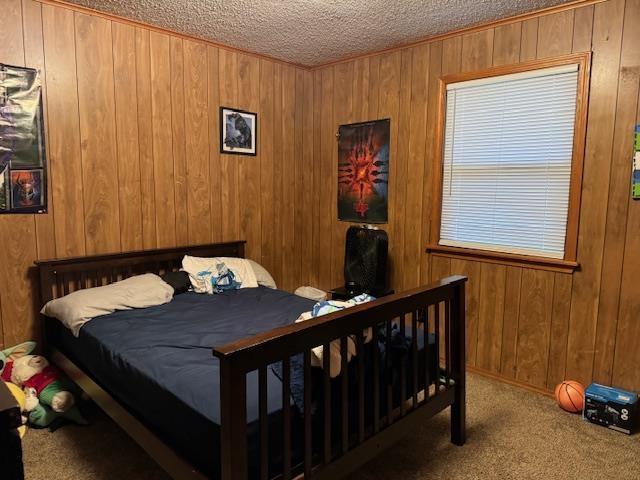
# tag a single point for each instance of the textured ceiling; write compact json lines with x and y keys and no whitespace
{"x":312,"y":32}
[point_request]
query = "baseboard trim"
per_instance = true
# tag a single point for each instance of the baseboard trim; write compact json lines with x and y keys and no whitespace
{"x":509,"y":381}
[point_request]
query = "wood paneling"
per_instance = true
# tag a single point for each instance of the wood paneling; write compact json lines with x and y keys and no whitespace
{"x":414,"y":184}
{"x":307,"y":197}
{"x":618,"y":201}
{"x":585,"y":298}
{"x":132,"y":131}
{"x":163,"y":178}
{"x":491,"y":316}
{"x":133,"y":148}
{"x":63,"y":151}
{"x":94,"y":57}
{"x":145,"y":139}
{"x":555,"y":34}
{"x":228,"y":75}
{"x":529,"y":40}
{"x":215,"y":181}
{"x":287,"y":207}
{"x":179,"y":140}
{"x":435,"y":69}
{"x":196,"y":130}
{"x":506,"y":44}
{"x":531,"y":326}
{"x":126,"y":111}
{"x":626,"y":355}
{"x":249,"y":167}
{"x":534,"y":325}
{"x":559,"y":329}
{"x":510,"y":322}
{"x":266,"y":133}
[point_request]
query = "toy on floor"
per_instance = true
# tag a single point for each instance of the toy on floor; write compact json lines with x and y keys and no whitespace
{"x":21,"y":399}
{"x":570,"y":396}
{"x":47,"y":396}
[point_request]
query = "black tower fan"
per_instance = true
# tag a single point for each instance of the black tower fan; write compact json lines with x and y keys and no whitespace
{"x":365,"y":260}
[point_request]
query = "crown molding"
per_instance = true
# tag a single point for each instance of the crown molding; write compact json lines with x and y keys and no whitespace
{"x":429,"y":39}
{"x":466,"y":30}
{"x":139,"y":24}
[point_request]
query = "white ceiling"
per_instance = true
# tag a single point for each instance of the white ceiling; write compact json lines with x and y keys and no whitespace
{"x":312,"y":32}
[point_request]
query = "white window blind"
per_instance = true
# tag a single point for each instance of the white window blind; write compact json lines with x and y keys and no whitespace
{"x":507,"y":162}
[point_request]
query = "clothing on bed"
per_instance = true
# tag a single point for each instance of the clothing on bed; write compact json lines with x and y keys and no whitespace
{"x":325,"y":307}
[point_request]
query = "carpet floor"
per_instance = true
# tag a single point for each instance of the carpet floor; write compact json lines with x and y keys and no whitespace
{"x":512,"y":434}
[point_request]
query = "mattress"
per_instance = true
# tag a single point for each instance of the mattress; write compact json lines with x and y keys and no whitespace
{"x":158,"y":363}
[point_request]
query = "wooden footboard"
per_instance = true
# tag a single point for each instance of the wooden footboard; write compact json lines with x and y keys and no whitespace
{"x":437,"y":309}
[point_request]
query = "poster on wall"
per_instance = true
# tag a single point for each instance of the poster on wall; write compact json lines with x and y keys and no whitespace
{"x":23,"y":177}
{"x":363,"y":171}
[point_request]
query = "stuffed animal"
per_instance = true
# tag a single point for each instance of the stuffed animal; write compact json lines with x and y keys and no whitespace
{"x":47,"y":396}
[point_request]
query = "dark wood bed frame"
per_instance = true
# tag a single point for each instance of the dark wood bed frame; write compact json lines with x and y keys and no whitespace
{"x":437,"y":308}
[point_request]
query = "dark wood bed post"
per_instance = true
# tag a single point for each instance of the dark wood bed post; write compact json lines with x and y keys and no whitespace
{"x":233,"y":421}
{"x":47,"y":281}
{"x":458,"y":409}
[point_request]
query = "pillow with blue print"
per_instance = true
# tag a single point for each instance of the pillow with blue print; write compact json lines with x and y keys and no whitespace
{"x":216,"y":280}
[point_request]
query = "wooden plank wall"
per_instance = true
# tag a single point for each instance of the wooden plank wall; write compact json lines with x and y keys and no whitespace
{"x":532,"y":326}
{"x":132,"y":135}
{"x":133,"y":145}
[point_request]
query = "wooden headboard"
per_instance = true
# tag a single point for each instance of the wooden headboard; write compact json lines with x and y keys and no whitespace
{"x":63,"y":276}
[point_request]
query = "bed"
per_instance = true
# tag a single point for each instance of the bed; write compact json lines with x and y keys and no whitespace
{"x":199,"y":382}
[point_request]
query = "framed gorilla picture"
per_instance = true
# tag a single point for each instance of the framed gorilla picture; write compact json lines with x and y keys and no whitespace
{"x":238,"y":131}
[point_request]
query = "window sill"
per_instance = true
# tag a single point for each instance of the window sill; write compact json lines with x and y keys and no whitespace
{"x":539,"y":263}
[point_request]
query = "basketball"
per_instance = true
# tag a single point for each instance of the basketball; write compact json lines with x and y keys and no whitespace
{"x":570,"y":396}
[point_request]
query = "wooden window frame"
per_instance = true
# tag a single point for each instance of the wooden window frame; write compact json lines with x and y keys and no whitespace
{"x":569,"y":262}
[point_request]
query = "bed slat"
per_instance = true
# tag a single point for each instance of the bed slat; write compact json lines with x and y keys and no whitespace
{"x":427,"y":349}
{"x":436,"y":319}
{"x":307,"y":416}
{"x":361,"y":384}
{"x":376,"y":380}
{"x":447,"y":341}
{"x":264,"y":423}
{"x":286,"y":418}
{"x":403,"y":368}
{"x":344,"y":372}
{"x":388,"y":373}
{"x":414,"y":358}
{"x":326,"y":373}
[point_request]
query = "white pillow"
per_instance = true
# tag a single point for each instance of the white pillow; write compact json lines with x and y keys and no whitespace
{"x":77,"y":308}
{"x":263,"y":277}
{"x":240,"y":267}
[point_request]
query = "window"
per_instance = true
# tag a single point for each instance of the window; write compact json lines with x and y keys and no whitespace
{"x":511,"y":160}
